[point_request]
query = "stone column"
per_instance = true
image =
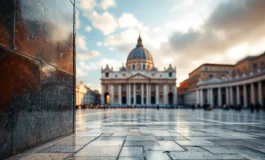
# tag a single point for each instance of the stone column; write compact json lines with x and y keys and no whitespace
{"x":220,"y":97}
{"x":165,"y":92}
{"x":112,"y":94}
{"x":134,"y":94}
{"x":260,"y":93}
{"x":127,"y":94}
{"x":237,"y":95}
{"x":197,"y":97}
{"x":142,"y":95}
{"x":211,"y":97}
{"x":208,"y":96}
{"x":120,"y":94}
{"x":201,"y":97}
{"x":130,"y":97}
{"x":157,"y":94}
{"x":245,"y":96}
{"x":175,"y":95}
{"x":227,"y":95}
{"x":147,"y":95}
{"x":252,"y":94}
{"x":102,"y":94}
{"x":231,"y":96}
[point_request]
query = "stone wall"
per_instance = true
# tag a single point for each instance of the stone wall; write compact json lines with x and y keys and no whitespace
{"x":37,"y":73}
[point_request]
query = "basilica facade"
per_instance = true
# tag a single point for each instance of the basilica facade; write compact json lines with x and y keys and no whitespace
{"x":139,"y":83}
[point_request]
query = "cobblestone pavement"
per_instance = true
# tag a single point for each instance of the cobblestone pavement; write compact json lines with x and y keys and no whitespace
{"x":165,"y":134}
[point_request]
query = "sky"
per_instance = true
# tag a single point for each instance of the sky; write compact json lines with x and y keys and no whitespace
{"x":184,"y":33}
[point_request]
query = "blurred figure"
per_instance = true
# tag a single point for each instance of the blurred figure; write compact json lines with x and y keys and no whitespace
{"x":224,"y":107}
{"x":193,"y":107}
{"x":251,"y":106}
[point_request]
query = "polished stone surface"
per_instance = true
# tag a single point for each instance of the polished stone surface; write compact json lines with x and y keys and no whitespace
{"x":165,"y":134}
{"x":36,"y":73}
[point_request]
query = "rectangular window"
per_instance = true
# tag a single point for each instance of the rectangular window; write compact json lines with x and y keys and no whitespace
{"x":143,"y":67}
{"x":138,"y":87}
{"x":107,"y":87}
{"x":170,"y":74}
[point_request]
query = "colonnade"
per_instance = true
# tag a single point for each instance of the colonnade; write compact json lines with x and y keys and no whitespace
{"x":241,"y":94}
{"x":143,"y":90}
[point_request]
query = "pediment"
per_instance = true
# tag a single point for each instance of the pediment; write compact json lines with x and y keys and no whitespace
{"x":138,"y":76}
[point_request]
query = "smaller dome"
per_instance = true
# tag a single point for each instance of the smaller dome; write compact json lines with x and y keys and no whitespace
{"x":123,"y":68}
{"x":154,"y":68}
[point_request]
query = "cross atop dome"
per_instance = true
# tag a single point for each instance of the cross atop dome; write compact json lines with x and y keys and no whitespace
{"x":139,"y":41}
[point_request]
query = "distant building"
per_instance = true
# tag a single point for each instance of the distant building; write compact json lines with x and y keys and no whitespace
{"x":183,"y":87}
{"x":86,"y":96}
{"x":208,"y":71}
{"x":218,"y":84}
{"x":139,"y":83}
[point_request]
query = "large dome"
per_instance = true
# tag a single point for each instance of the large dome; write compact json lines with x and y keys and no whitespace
{"x":140,"y":55}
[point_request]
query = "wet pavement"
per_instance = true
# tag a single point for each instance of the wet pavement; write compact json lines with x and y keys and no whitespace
{"x":165,"y":134}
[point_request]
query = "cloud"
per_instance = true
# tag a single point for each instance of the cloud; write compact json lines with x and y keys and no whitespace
{"x":116,"y":64}
{"x":81,"y":43}
{"x":99,"y":44}
{"x":231,"y":24}
{"x":88,"y":66}
{"x":86,"y":5}
{"x":105,"y":22}
{"x":88,"y":29}
{"x":127,"y":20}
{"x":80,"y":72}
{"x":111,"y":49}
{"x":88,"y":55}
{"x":105,"y":4}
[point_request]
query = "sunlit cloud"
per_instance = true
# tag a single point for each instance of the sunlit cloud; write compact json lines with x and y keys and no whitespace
{"x":86,"y":5}
{"x":88,"y":55}
{"x":105,"y":22}
{"x":88,"y":29}
{"x":105,"y":4}
{"x":81,"y":43}
{"x":99,"y":44}
{"x":80,"y":72}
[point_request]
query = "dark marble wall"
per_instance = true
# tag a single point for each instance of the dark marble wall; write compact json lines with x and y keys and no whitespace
{"x":37,"y":72}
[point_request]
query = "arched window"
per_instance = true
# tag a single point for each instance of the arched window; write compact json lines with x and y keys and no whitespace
{"x":107,"y":74}
{"x":170,"y":74}
{"x":133,"y":66}
{"x":143,"y":67}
